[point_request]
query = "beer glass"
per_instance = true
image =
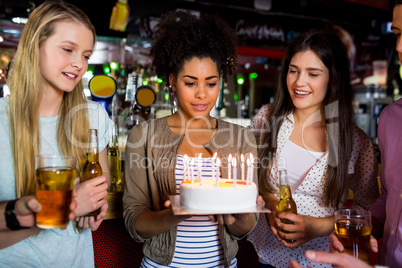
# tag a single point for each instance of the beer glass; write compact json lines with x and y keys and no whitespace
{"x":353,"y":228}
{"x":54,"y":185}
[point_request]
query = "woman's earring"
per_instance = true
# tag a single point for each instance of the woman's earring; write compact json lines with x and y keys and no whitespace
{"x":172,"y":98}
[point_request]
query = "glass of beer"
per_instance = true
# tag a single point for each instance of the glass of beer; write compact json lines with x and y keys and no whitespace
{"x":54,"y":185}
{"x":353,"y":228}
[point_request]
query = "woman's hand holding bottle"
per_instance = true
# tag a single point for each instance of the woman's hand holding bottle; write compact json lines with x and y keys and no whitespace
{"x":91,"y":196}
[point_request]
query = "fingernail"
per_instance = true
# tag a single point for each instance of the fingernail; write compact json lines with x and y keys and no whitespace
{"x":311,"y":254}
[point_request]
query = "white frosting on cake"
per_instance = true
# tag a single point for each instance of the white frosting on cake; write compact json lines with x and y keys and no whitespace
{"x":224,"y":198}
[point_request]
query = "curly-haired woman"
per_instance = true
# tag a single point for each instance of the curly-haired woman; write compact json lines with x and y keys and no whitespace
{"x":191,"y":54}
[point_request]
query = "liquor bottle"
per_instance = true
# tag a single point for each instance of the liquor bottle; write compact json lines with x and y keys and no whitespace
{"x":114,"y":158}
{"x":120,"y":14}
{"x":286,"y":203}
{"x":91,"y":168}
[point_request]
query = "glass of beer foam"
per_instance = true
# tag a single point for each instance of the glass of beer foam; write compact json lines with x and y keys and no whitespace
{"x":353,"y":228}
{"x":54,"y":185}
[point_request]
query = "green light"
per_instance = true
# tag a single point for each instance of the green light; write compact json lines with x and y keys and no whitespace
{"x":166,"y":97}
{"x":114,"y":65}
{"x":106,"y":69}
{"x":253,"y":75}
{"x":90,"y":72}
{"x":240,"y":78}
{"x":235,"y":96}
{"x":160,"y":81}
{"x":122,"y":72}
{"x":400,"y":71}
{"x":145,"y":82}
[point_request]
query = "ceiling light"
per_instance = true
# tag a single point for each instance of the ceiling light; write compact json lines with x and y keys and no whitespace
{"x":19,"y":20}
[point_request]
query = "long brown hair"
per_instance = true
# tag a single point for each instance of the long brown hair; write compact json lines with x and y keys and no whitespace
{"x":337,"y":111}
{"x":25,"y":82}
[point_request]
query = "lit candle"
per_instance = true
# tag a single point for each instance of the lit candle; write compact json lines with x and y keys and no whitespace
{"x":217,"y":165}
{"x":214,"y":157}
{"x":199,"y":168}
{"x":185,"y":167}
{"x":242,"y":175}
{"x":252,"y":168}
{"x":229,"y":166}
{"x":192,"y":170}
{"x":248,"y":170}
{"x":234,"y":164}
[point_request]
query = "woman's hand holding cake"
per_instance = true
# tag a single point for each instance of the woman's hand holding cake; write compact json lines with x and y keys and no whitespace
{"x":238,"y":224}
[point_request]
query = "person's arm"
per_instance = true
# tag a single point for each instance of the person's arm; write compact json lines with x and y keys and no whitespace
{"x":151,"y":223}
{"x":363,"y":181}
{"x":9,"y":238}
{"x":92,"y":195}
{"x":24,"y":211}
{"x":141,"y":218}
{"x":304,"y":228}
{"x":239,"y":225}
{"x":341,"y":260}
{"x":386,"y":143}
{"x":336,"y":245}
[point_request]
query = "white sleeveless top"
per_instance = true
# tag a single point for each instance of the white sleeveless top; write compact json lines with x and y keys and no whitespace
{"x":297,"y":170}
{"x":197,"y":242}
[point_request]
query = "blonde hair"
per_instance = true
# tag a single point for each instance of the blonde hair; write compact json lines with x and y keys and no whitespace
{"x":25,"y":82}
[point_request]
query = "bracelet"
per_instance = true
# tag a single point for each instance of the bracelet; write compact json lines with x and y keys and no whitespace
{"x":11,"y":218}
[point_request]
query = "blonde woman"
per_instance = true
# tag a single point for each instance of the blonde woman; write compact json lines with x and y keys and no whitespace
{"x":47,"y":113}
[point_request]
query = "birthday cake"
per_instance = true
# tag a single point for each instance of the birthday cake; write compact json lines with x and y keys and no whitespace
{"x":225,"y":197}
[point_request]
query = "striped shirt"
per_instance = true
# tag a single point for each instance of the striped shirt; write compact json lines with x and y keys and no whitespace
{"x":197,"y":243}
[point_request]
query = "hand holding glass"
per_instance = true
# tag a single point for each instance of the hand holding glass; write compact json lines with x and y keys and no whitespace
{"x":353,"y":229}
{"x":54,"y":186}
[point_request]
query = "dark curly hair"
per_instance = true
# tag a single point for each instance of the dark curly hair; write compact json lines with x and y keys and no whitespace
{"x":182,"y":36}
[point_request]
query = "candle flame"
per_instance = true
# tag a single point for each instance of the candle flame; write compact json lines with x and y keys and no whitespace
{"x":234,"y":162}
{"x":218,"y":162}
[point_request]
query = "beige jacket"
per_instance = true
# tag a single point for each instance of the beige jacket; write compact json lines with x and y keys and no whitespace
{"x":150,"y":162}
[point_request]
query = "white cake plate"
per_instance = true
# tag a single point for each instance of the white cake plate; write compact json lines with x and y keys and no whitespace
{"x":182,"y":210}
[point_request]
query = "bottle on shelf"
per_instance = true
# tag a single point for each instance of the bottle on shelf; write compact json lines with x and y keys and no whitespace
{"x":286,"y":203}
{"x":120,"y":14}
{"x":114,"y":159}
{"x":91,"y":168}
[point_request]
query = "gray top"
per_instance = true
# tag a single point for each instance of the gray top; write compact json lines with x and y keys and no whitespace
{"x":53,"y":247}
